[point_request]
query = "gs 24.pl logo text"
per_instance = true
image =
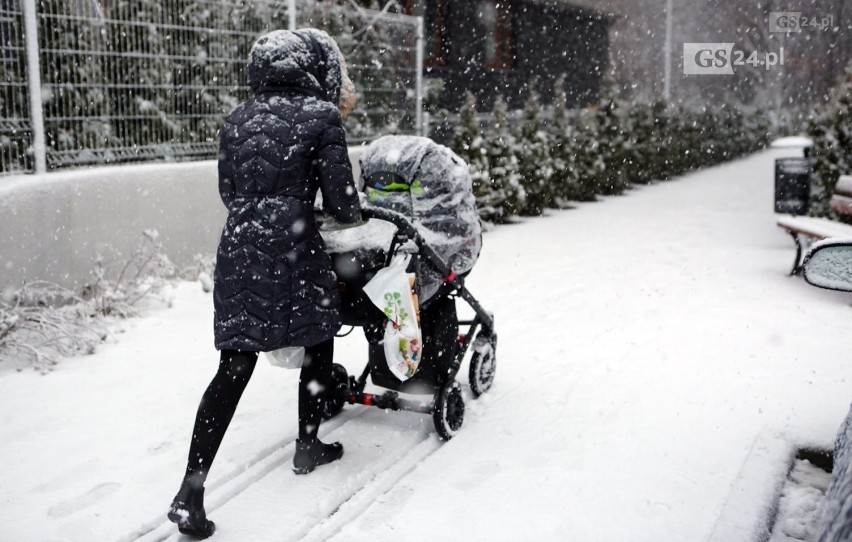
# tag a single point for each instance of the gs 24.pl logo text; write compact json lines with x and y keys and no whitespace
{"x":723,"y":58}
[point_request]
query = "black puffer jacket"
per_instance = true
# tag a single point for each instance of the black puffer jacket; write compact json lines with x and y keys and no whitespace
{"x":274,"y":285}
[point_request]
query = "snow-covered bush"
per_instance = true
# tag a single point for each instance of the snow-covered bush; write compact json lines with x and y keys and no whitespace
{"x":691,"y":139}
{"x":142,"y":276}
{"x":505,"y":196}
{"x":42,"y":322}
{"x":830,"y":126}
{"x":469,"y":144}
{"x":612,"y":136}
{"x":720,"y":129}
{"x":657,"y":148}
{"x":589,"y":166}
{"x":536,"y":168}
{"x":667,"y":141}
{"x":640,"y":132}
{"x":759,"y":129}
{"x":201,"y":270}
{"x":599,"y":150}
{"x":613,"y":148}
{"x":563,"y":134}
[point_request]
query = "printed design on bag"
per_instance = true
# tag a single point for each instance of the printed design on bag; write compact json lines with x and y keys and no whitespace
{"x":392,"y":291}
{"x":394,"y":310}
{"x":408,"y":347}
{"x":413,"y":358}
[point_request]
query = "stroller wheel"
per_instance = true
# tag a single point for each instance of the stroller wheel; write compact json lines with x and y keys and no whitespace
{"x":448,"y":413}
{"x":336,"y":397}
{"x":483,"y":364}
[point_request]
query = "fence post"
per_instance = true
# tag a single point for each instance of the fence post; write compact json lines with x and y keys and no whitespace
{"x":34,"y":84}
{"x":291,"y":12}
{"x":418,"y":85}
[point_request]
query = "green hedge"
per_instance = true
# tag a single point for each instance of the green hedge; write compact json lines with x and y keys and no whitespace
{"x":577,"y":154}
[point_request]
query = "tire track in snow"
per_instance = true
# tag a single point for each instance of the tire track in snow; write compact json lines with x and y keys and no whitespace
{"x":384,"y":482}
{"x":241,"y":477}
{"x":359,"y":501}
{"x":381,"y":447}
{"x":386,"y":455}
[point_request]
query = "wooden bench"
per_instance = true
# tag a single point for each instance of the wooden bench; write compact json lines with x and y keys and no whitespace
{"x":808,"y":229}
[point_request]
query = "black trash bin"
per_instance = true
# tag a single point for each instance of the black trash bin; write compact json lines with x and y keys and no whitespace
{"x":792,"y":185}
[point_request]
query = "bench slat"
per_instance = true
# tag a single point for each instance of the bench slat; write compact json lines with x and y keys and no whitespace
{"x":817,"y":228}
{"x":844,"y":186}
{"x":841,"y":205}
{"x":820,"y":228}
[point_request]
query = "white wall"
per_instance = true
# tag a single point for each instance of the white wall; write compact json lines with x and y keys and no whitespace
{"x":54,"y":226}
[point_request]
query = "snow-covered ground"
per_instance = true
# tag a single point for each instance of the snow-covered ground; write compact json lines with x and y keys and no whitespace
{"x":657,"y":371}
{"x":800,"y":507}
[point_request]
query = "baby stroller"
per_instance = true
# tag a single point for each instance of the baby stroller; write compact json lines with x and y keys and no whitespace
{"x":419,"y":202}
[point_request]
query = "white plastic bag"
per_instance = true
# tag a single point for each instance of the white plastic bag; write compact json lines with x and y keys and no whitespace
{"x":391,"y":291}
{"x":290,"y":357}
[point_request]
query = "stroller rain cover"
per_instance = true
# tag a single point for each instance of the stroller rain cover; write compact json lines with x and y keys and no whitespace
{"x":432,"y":186}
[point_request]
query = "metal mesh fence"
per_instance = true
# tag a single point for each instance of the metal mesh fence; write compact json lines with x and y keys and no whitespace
{"x":131,"y":80}
{"x":15,"y":129}
{"x":380,"y":50}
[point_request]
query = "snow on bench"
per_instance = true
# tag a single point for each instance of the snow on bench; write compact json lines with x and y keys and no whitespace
{"x":816,"y":229}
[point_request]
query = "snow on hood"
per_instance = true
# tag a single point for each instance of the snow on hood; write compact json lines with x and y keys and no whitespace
{"x":307,"y":58}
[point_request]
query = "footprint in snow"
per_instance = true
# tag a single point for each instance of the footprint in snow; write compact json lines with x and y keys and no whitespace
{"x":161,"y":447}
{"x":476,"y":475}
{"x":90,"y":498}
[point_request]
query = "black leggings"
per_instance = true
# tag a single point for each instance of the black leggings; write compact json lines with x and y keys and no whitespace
{"x":219,"y":402}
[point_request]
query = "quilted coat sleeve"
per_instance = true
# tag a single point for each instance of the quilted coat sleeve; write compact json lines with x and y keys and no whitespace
{"x":226,"y":171}
{"x":340,"y":197}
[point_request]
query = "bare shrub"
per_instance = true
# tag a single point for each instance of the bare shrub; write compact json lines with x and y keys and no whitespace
{"x":42,"y":322}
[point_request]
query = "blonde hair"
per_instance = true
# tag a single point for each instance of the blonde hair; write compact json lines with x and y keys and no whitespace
{"x":348,"y":98}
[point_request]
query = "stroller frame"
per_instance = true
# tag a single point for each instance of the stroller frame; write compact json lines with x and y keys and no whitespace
{"x":447,"y":404}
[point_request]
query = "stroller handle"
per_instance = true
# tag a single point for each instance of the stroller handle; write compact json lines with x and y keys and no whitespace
{"x":399,"y":220}
{"x":406,"y":228}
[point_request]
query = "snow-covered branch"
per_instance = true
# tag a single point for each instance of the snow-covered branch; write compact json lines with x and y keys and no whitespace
{"x":42,"y":322}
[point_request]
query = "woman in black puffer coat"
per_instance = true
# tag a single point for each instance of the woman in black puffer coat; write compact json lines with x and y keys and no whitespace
{"x":274,"y":286}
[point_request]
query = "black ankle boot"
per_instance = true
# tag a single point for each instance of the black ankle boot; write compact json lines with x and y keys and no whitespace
{"x":311,"y":453}
{"x":187,"y":510}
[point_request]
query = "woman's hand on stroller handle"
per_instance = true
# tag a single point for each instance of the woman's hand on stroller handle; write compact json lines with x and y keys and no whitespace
{"x":326,"y":221}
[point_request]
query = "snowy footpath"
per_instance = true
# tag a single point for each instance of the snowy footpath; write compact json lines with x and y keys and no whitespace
{"x":657,"y":371}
